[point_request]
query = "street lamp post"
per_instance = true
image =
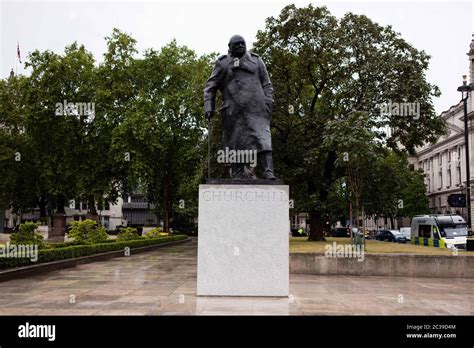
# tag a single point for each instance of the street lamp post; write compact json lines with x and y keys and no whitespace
{"x":465,"y":89}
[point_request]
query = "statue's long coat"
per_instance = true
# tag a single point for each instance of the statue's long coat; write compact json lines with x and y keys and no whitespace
{"x":247,"y":95}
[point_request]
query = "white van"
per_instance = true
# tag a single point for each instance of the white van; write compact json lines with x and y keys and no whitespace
{"x":406,"y":232}
{"x":439,"y":230}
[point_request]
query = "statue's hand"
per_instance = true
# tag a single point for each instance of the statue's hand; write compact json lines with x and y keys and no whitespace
{"x":209,"y":114}
{"x":269,"y":104}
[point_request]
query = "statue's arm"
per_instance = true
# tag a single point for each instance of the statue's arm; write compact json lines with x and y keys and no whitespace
{"x":265,"y":80}
{"x":212,"y":85}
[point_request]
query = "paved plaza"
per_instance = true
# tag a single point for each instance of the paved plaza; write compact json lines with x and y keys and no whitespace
{"x":163,"y":282}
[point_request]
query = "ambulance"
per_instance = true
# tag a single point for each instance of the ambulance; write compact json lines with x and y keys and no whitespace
{"x":439,"y":230}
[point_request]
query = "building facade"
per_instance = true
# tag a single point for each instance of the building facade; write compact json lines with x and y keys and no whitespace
{"x":443,"y":163}
{"x":133,"y":211}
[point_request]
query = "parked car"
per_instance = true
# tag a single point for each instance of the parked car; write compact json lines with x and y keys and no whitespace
{"x":406,"y":231}
{"x":390,"y":236}
{"x":341,"y":232}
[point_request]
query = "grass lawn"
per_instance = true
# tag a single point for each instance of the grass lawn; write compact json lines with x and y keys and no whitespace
{"x":302,"y":245}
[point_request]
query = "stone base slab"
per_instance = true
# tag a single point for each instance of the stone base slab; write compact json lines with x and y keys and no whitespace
{"x":243,"y":245}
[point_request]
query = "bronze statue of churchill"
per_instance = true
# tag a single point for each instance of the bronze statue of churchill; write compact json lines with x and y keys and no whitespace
{"x":247,"y":95}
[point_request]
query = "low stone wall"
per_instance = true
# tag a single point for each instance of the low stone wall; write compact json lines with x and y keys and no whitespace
{"x":388,"y":265}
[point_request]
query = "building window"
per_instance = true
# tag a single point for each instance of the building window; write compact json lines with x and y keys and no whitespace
{"x":449,"y":155}
{"x":138,"y":199}
{"x":440,"y":177}
{"x":106,"y":222}
{"x":459,"y":174}
{"x":449,"y":178}
{"x":428,"y":184}
{"x":440,"y":159}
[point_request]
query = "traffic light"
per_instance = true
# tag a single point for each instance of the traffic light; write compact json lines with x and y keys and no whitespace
{"x":457,"y":200}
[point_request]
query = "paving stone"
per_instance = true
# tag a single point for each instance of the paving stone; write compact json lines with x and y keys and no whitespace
{"x":163,"y":282}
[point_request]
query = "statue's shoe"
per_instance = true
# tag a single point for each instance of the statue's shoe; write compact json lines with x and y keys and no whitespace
{"x":269,"y":176}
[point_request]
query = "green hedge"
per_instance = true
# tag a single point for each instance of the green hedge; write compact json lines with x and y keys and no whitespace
{"x":73,"y":251}
{"x":49,"y":245}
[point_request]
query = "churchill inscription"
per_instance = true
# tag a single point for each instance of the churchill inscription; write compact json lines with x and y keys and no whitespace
{"x":249,"y":196}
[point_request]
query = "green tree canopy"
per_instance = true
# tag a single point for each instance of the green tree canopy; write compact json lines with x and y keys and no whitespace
{"x":323,"y":69}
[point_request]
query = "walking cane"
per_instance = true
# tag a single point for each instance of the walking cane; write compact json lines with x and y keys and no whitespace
{"x":209,"y":132}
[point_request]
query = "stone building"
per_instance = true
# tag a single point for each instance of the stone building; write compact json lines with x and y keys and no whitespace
{"x":443,"y":162}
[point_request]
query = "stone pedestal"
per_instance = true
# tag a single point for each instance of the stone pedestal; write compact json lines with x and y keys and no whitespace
{"x":58,"y":229}
{"x":243,"y":240}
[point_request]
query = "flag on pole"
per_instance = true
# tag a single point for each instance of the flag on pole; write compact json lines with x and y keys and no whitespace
{"x":18,"y":51}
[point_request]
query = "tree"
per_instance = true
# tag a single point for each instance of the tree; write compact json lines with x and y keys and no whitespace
{"x":115,"y":95}
{"x":18,"y":189}
{"x":353,"y":137}
{"x":163,"y":132}
{"x":323,"y":69}
{"x":57,"y":133}
{"x":390,"y":188}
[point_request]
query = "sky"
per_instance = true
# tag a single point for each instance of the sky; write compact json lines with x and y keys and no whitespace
{"x":443,"y":29}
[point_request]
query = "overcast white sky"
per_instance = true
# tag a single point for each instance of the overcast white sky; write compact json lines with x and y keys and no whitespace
{"x":442,"y":28}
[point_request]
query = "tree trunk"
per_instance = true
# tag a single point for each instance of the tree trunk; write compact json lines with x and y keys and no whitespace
{"x":357,"y":200}
{"x":350,"y":219}
{"x":392,"y":223}
{"x":164,"y":207}
{"x":42,"y":207}
{"x":91,"y":204}
{"x":364,"y":223}
{"x":92,"y":208}
{"x":61,"y":200}
{"x":316,"y":231}
{"x":2,"y":219}
{"x":50,"y":222}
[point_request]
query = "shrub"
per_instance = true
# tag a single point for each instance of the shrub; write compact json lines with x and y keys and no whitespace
{"x":128,"y":233}
{"x":54,"y":245}
{"x":27,"y":235}
{"x":154,"y":233}
{"x":87,"y":232}
{"x":98,"y":235}
{"x":74,"y":251}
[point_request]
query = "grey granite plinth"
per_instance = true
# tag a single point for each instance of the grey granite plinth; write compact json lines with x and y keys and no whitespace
{"x":243,"y":240}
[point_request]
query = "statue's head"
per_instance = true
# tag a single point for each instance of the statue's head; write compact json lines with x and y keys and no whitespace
{"x":237,"y":46}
